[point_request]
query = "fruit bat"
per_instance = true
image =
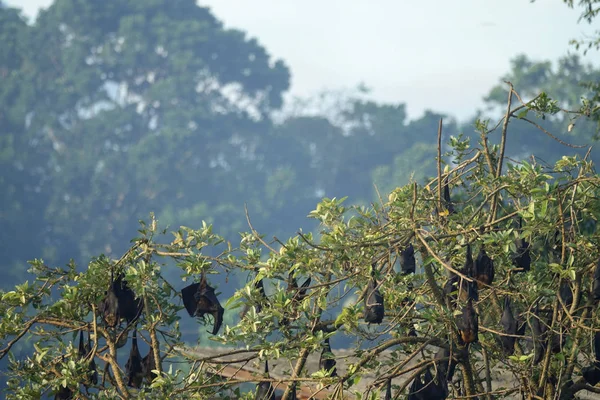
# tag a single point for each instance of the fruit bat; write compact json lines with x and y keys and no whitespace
{"x":539,"y":333}
{"x":408,"y":264}
{"x":447,"y":200}
{"x":445,"y":368}
{"x":522,"y":258}
{"x":293,"y":395}
{"x":596,"y":287}
{"x":374,"y":306}
{"x":566,"y":294}
{"x":134,"y":370}
{"x":119,"y":302}
{"x":149,"y":365}
{"x":469,"y":267}
{"x":327,"y":360}
{"x":388,"y":390}
{"x":426,"y":388}
{"x":509,"y":326}
{"x":261,"y":289}
{"x":468,"y":324}
{"x":299,"y":295}
{"x":64,"y":393}
{"x":591,"y":374}
{"x":468,"y":290}
{"x":84,"y":351}
{"x":200,"y":299}
{"x":264,"y":390}
{"x":484,"y":269}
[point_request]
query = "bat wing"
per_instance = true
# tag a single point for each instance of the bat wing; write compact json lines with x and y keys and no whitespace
{"x":407,"y":262}
{"x":302,"y":292}
{"x":133,"y":367}
{"x":388,"y":390}
{"x":209,"y":303}
{"x":374,"y":307}
{"x":188,"y":294}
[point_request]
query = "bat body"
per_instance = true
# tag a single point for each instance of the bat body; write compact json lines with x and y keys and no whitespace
{"x":327,"y":360}
{"x":509,"y":326}
{"x":84,"y":351}
{"x":148,"y":365}
{"x":424,"y":387}
{"x":200,"y":299}
{"x":447,"y":367}
{"x":264,"y":390}
{"x":64,"y":393}
{"x":298,"y":295}
{"x":484,"y":269}
{"x":119,"y":302}
{"x":447,"y":200}
{"x":261,"y":288}
{"x":374,"y":306}
{"x":596,"y":287}
{"x":591,"y":374}
{"x":134,"y":370}
{"x":408,"y":264}
{"x":539,"y":332}
{"x":468,"y":324}
{"x":522,"y":259}
{"x":566,"y":294}
{"x":388,"y":390}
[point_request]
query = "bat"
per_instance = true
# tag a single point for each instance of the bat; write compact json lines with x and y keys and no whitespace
{"x":408,"y":264}
{"x":522,"y":258}
{"x":261,"y":289}
{"x":468,"y":324}
{"x":426,"y":388}
{"x":591,"y":374}
{"x":264,"y":390}
{"x":539,"y":333}
{"x":85,"y":350}
{"x":134,"y":370}
{"x":327,"y":359}
{"x":119,"y":302}
{"x":469,"y":267}
{"x":293,"y":395}
{"x":566,"y":294}
{"x":596,"y":287}
{"x":148,"y":365}
{"x":446,"y":367}
{"x":200,"y":299}
{"x":447,"y":200}
{"x":484,"y":269}
{"x":64,"y":393}
{"x":299,"y":295}
{"x":374,"y":306}
{"x":509,"y":325}
{"x":388,"y":390}
{"x":450,"y":288}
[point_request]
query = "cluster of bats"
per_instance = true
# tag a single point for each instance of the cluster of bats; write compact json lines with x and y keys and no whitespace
{"x":199,"y":299}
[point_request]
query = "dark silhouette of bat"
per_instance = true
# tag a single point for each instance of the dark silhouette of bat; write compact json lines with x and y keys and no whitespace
{"x":264,"y":390}
{"x":522,"y":258}
{"x":469,"y":267}
{"x":424,"y":387}
{"x":408,"y":264}
{"x":299,"y":295}
{"x":134,"y":370}
{"x":596,"y":287}
{"x":509,"y":326}
{"x":566,"y":294}
{"x":327,"y":359}
{"x":200,"y":299}
{"x":591,"y":374}
{"x":293,"y":395}
{"x":64,"y":393}
{"x":148,"y":366}
{"x":468,"y":324}
{"x":374,"y":306}
{"x":539,"y":333}
{"x":447,"y":367}
{"x":388,"y":390}
{"x":451,"y":287}
{"x":447,"y":201}
{"x":84,"y":351}
{"x":261,"y":289}
{"x":484,"y":269}
{"x":119,"y":302}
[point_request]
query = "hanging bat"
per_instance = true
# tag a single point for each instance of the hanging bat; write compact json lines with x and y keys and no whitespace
{"x":539,"y":333}
{"x":596,"y":287}
{"x":447,"y":367}
{"x":522,"y":258}
{"x":426,"y":388}
{"x":134,"y":370}
{"x":509,"y":326}
{"x":484,"y":269}
{"x":293,"y":395}
{"x":327,"y":359}
{"x":264,"y":390}
{"x":408,"y":264}
{"x":261,"y":289}
{"x":469,"y":267}
{"x":109,"y":307}
{"x":591,"y":374}
{"x":64,"y":393}
{"x":447,"y":200}
{"x":451,"y":287}
{"x":130,"y":307}
{"x":374,"y":306}
{"x":566,"y":294}
{"x":298,"y":295}
{"x":119,"y":302}
{"x":467,"y":324}
{"x":84,"y":351}
{"x":200,"y":299}
{"x":148,"y":366}
{"x":388,"y":390}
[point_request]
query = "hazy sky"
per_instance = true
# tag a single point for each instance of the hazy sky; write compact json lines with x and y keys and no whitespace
{"x":432,"y":54}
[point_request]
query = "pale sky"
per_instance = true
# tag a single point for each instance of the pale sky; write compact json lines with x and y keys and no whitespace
{"x":430,"y":54}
